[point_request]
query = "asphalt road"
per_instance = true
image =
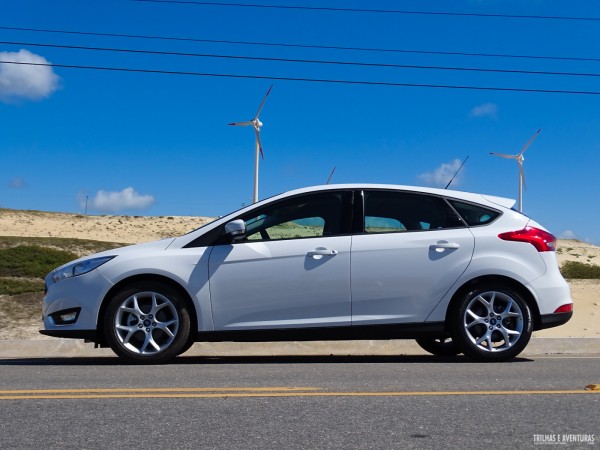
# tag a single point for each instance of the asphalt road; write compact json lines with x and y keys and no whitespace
{"x":299,"y":402}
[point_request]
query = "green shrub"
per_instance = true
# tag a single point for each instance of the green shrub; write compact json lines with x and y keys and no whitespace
{"x":31,"y":261}
{"x":81,"y":247}
{"x":13,"y":286}
{"x":575,"y":269}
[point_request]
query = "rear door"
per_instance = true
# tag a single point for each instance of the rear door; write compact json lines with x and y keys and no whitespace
{"x":412,"y":249}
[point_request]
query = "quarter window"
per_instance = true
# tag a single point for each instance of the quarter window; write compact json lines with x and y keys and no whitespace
{"x":474,"y":215}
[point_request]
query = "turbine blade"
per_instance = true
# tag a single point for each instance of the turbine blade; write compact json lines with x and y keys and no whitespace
{"x":530,"y":141}
{"x":522,"y":175}
{"x":263,"y":102}
{"x":257,"y":134}
{"x":504,"y":155}
{"x":239,"y":124}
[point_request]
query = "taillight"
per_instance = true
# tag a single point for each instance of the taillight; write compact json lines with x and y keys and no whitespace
{"x":564,"y":308}
{"x":540,"y":239}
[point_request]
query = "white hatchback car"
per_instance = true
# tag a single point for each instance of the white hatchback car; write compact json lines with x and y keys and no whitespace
{"x":458,"y":272}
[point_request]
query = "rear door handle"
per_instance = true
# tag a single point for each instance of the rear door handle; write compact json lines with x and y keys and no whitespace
{"x":322,"y":252}
{"x":444,"y":245}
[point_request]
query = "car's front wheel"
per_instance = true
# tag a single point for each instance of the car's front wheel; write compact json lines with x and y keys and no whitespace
{"x":492,"y":323}
{"x":147,"y":322}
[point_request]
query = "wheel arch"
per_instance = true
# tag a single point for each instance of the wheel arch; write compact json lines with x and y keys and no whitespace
{"x":101,"y":339}
{"x":490,"y":279}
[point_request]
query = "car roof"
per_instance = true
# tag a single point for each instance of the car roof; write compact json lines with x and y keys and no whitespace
{"x":485,"y":199}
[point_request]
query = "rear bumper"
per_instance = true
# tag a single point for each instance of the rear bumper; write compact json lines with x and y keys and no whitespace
{"x":554,"y":320}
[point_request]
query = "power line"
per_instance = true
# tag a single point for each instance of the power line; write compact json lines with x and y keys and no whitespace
{"x":288,"y":45}
{"x":378,"y":11}
{"x":313,"y":80}
{"x":309,"y":61}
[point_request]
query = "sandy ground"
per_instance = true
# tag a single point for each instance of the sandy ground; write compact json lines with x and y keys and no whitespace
{"x":125,"y":229}
{"x":136,"y":229}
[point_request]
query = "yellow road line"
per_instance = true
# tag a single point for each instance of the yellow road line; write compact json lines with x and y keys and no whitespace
{"x":257,"y":392}
{"x":154,"y":390}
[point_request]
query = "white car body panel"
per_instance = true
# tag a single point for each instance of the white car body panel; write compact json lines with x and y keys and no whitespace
{"x":187,"y":267}
{"x":280,"y":285}
{"x":400,"y":277}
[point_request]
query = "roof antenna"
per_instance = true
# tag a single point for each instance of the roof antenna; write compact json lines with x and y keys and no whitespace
{"x":456,"y":173}
{"x":331,"y":175}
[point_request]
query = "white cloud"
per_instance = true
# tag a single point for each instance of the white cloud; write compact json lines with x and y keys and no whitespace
{"x":21,"y":81}
{"x":17,"y":183}
{"x":485,"y":110}
{"x":443,"y":174}
{"x":128,"y":198}
{"x":568,"y":234}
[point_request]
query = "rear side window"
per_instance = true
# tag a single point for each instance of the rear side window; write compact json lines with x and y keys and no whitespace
{"x":389,"y":212}
{"x":474,"y":215}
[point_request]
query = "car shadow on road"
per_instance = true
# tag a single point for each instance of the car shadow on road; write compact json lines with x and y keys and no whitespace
{"x":239,"y":360}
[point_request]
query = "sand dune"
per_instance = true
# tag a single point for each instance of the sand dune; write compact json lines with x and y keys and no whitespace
{"x":125,"y":229}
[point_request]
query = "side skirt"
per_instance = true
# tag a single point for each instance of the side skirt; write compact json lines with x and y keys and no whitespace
{"x":364,"y":332}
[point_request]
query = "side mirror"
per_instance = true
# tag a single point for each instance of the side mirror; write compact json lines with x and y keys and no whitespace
{"x":235,"y":230}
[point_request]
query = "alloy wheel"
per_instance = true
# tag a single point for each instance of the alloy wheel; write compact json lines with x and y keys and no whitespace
{"x":493,"y":321}
{"x":146,"y":323}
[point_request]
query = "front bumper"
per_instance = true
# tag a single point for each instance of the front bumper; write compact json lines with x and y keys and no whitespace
{"x":88,"y":335}
{"x":83,"y":294}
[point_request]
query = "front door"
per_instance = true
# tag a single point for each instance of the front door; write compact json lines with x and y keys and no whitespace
{"x":291,"y":271}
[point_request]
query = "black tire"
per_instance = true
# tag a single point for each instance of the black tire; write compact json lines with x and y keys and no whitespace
{"x":147,"y":323}
{"x":439,"y":347}
{"x":491,"y":323}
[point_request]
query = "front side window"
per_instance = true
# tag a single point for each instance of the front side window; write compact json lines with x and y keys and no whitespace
{"x":306,"y":216}
{"x":388,"y":212}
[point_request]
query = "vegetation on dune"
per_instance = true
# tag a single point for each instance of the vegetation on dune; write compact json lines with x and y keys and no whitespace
{"x":13,"y":286}
{"x":31,"y":261}
{"x":579,"y":270}
{"x":81,"y":247}
{"x":25,"y":261}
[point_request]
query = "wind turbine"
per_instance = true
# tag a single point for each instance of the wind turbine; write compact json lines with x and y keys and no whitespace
{"x":256,"y":124}
{"x":519,"y":158}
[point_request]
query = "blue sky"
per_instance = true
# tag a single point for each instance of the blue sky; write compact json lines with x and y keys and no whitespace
{"x":158,"y":144}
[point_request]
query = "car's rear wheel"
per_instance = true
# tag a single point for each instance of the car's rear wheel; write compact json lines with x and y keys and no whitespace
{"x":492,"y":323}
{"x":147,"y":322}
{"x":439,"y":347}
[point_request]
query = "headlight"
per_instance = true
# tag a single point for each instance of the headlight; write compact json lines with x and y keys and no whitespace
{"x":79,"y":268}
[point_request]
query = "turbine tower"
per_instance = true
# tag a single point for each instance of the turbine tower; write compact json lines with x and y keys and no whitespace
{"x":519,"y":158}
{"x":256,"y":124}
